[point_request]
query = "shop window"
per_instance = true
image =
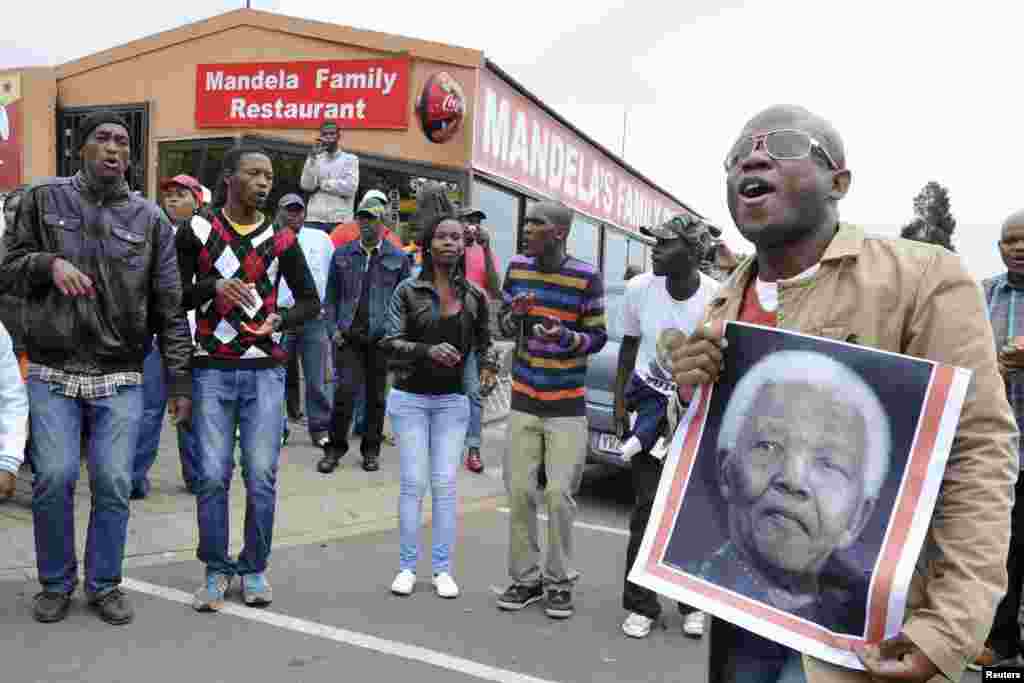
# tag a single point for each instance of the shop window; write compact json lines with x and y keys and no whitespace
{"x":615,"y":255}
{"x":637,"y":254}
{"x":584,"y":239}
{"x":502,"y":209}
{"x":399,"y":181}
{"x":179,"y":161}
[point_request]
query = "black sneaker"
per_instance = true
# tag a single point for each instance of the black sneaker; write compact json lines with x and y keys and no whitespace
{"x":519,"y":596}
{"x":329,"y":463}
{"x":113,"y":607}
{"x":558,"y":604}
{"x":371,"y":462}
{"x":49,"y":606}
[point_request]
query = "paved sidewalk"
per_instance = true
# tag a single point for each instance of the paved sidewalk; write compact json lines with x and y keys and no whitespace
{"x":311,"y":507}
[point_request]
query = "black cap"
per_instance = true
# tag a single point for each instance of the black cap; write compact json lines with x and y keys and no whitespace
{"x":94,"y":121}
{"x":471,"y":211}
{"x":289,"y":200}
{"x":682,"y":225}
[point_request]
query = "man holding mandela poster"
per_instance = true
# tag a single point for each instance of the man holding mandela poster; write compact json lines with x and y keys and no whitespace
{"x":786,"y":173}
{"x":803,"y":451}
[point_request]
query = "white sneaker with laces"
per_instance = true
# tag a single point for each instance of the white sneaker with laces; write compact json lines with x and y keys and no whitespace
{"x":637,"y":625}
{"x":404,"y":583}
{"x":693,"y":624}
{"x":445,"y":585}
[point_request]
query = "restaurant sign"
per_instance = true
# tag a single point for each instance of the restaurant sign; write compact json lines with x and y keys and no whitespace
{"x":517,"y":140}
{"x":365,"y":93}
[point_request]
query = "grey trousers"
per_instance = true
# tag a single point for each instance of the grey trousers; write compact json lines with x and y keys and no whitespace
{"x":559,"y":445}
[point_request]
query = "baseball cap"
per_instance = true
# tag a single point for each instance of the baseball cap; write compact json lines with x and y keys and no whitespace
{"x":186,"y":181}
{"x":290,"y":199}
{"x":682,"y":225}
{"x":373,"y":205}
{"x":472,"y":211}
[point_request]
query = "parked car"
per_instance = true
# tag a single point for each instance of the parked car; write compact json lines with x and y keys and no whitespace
{"x":603,"y":444}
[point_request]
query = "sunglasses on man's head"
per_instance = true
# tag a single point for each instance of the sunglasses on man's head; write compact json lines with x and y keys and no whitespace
{"x":779,"y":145}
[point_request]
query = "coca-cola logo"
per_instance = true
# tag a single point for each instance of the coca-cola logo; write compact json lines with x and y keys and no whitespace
{"x":441,"y":107}
{"x":452,"y":104}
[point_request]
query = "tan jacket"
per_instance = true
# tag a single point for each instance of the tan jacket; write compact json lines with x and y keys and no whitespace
{"x":917,"y":299}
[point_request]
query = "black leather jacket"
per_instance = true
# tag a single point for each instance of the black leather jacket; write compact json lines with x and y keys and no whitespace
{"x":416,"y":307}
{"x":126,"y":245}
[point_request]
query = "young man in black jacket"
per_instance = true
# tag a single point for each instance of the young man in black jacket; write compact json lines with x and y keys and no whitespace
{"x":98,"y":271}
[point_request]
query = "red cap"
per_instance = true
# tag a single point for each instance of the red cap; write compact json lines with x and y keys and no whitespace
{"x":186,"y":181}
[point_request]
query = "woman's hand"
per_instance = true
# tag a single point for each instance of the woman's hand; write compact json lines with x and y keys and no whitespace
{"x":445,"y":354}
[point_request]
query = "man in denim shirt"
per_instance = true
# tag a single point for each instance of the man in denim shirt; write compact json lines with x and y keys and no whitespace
{"x":362,"y":277}
{"x":1004,"y":295}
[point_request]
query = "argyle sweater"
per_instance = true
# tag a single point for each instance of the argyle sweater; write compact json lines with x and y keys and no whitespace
{"x":212,"y":250}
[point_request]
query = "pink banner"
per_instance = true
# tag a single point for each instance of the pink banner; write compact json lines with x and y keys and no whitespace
{"x":517,"y":140}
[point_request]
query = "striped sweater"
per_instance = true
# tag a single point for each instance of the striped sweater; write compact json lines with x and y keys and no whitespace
{"x":548,"y":378}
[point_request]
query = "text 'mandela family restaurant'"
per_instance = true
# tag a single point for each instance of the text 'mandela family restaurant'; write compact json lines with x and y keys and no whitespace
{"x":411,"y":110}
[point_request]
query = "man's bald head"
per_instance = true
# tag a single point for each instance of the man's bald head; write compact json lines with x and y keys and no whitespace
{"x":1014,"y":220}
{"x":557,"y":213}
{"x":1011,"y":244}
{"x":799,"y":118}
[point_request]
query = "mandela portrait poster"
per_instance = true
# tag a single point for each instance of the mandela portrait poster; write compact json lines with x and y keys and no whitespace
{"x":819,"y":463}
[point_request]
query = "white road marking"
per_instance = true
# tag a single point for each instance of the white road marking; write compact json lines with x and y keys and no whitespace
{"x":583,"y":525}
{"x":338,"y":635}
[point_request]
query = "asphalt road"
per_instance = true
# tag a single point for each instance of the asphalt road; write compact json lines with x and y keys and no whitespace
{"x":333,"y":618}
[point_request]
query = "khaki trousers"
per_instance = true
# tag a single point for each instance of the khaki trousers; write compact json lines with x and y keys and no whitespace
{"x":559,"y":444}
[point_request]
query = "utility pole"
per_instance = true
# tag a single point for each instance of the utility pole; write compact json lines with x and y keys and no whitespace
{"x":625,"y":114}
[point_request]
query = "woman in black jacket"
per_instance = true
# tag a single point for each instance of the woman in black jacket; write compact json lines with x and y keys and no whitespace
{"x":435,"y":319}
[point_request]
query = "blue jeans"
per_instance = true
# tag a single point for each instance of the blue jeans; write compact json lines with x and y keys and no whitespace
{"x":431,"y":431}
{"x":56,"y":460}
{"x":313,"y":345}
{"x":739,"y":656}
{"x":154,"y":406}
{"x":252,"y":400}
{"x":359,"y":413}
{"x":471,"y":381}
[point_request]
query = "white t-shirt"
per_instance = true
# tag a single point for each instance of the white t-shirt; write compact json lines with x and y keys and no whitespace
{"x":318,"y":249}
{"x":768,"y":292}
{"x":648,"y":310}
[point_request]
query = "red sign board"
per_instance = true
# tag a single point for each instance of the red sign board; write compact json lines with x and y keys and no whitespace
{"x":10,"y":145}
{"x":364,"y":93}
{"x":516,"y":140}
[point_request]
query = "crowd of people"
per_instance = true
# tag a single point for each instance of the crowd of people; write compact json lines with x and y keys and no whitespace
{"x":120,"y":310}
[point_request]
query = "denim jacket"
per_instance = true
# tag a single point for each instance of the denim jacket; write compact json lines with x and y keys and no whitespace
{"x":345,"y":285}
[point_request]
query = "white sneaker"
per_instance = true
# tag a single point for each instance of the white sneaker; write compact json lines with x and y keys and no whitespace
{"x":693,"y":624}
{"x":637,"y":625}
{"x":404,"y":583}
{"x":445,"y":585}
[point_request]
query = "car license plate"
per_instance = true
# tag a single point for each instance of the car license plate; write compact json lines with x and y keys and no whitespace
{"x":609,"y":443}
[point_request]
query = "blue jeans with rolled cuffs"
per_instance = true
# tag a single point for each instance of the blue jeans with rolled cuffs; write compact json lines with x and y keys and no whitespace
{"x":471,"y":380}
{"x":252,"y":400}
{"x":57,"y":422}
{"x":431,"y":431}
{"x":313,"y":343}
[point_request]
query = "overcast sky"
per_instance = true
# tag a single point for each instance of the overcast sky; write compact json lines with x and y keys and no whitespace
{"x":919,"y":92}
